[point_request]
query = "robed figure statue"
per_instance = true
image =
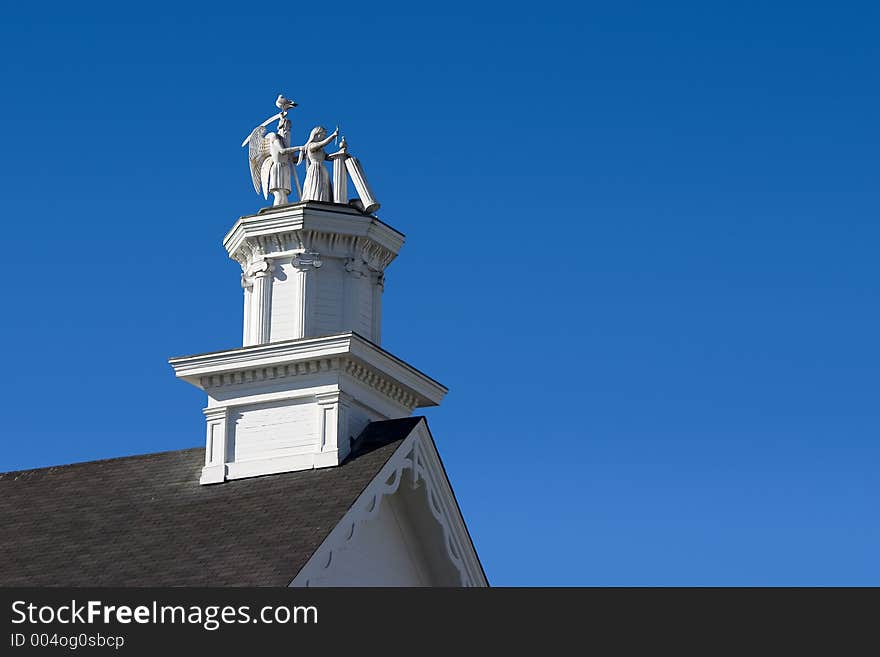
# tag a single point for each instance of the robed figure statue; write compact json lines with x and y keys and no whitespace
{"x":317,"y":183}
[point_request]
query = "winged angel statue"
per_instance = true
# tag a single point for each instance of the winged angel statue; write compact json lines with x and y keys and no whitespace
{"x":270,"y":155}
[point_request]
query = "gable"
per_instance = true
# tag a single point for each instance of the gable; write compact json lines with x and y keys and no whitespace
{"x":405,"y":529}
{"x":385,"y":552}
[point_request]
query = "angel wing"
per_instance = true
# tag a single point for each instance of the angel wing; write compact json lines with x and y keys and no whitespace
{"x":258,"y":153}
{"x":264,"y":177}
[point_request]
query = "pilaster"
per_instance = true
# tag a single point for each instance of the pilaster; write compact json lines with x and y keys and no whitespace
{"x":247,"y":286}
{"x":216,"y":420}
{"x":306,"y":266}
{"x":260,"y":302}
{"x":333,"y":425}
{"x":378,"y":289}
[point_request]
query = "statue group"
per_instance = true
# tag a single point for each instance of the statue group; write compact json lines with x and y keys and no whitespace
{"x":273,"y":162}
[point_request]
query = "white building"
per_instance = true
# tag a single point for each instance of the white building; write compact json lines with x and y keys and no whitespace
{"x":314,"y":471}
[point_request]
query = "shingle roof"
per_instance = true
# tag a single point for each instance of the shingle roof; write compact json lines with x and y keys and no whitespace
{"x":146,"y":521}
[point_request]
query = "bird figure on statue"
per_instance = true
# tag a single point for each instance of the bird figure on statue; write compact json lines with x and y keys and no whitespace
{"x":270,"y":156}
{"x":283,"y":103}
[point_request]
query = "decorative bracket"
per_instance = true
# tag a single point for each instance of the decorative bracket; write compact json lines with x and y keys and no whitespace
{"x":357,"y":267}
{"x":307,"y":260}
{"x":418,"y":455}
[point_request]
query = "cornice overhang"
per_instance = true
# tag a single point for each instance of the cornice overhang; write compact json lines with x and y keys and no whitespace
{"x":347,"y":352}
{"x":291,"y":225}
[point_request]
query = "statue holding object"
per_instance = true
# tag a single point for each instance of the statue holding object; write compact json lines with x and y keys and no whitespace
{"x":271,"y":159}
{"x":317,"y":183}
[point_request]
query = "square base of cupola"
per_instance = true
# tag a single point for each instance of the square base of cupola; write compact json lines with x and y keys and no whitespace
{"x":298,"y":404}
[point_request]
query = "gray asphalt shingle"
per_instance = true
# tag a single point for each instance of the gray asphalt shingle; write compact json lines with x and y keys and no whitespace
{"x":145,"y":520}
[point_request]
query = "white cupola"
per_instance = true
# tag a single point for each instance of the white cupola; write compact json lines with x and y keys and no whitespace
{"x":312,"y":269}
{"x":311,"y":374}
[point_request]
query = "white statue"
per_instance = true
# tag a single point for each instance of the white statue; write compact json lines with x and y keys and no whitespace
{"x":270,"y":155}
{"x":317,"y":183}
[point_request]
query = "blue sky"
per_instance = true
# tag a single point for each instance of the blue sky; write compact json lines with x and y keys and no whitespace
{"x":641,"y":252}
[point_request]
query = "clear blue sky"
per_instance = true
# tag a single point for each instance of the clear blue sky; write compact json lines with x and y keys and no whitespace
{"x":641,"y":252}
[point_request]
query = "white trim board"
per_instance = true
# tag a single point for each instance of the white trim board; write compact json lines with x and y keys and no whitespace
{"x":416,"y":456}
